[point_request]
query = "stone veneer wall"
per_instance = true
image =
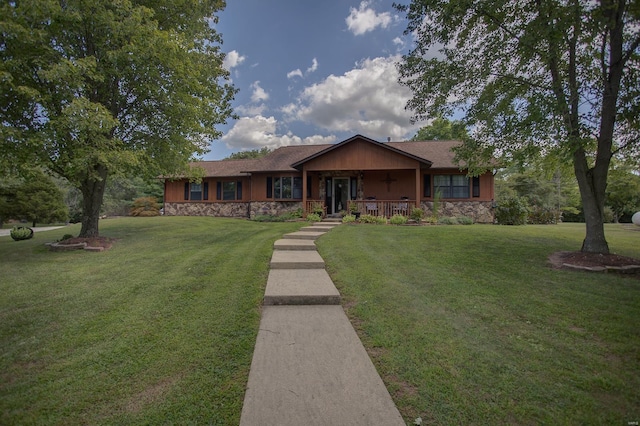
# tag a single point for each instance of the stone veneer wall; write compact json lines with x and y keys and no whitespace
{"x":479,"y":211}
{"x":207,"y":209}
{"x":273,"y":208}
{"x":252,"y":209}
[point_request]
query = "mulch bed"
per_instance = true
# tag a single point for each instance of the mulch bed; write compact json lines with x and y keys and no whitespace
{"x":576,"y":258}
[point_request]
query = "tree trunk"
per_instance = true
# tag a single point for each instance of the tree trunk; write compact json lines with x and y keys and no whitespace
{"x":592,"y":192}
{"x":92,"y":194}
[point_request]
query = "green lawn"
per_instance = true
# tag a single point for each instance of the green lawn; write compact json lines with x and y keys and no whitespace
{"x":466,"y":324}
{"x":469,"y":325}
{"x":158,"y":329}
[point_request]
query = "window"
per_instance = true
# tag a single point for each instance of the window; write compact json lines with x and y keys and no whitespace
{"x":284,"y":187}
{"x":451,"y":186}
{"x":229,"y":191}
{"x":196,"y":191}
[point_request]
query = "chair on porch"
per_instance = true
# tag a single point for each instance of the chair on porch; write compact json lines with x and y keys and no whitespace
{"x":402,"y":207}
{"x":372,"y":207}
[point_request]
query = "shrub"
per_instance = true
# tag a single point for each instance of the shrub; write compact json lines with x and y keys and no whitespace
{"x":542,"y":216}
{"x":313,"y":217}
{"x":447,"y":221}
{"x":21,"y":233}
{"x":381,"y":220}
{"x":417,"y":214}
{"x":66,"y":237}
{"x":348,"y":218}
{"x":368,"y":218}
{"x":145,"y":207}
{"x":512,"y":211}
{"x":398,"y":219}
{"x":464,"y":220}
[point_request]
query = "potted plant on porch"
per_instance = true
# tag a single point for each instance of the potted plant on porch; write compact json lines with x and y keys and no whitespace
{"x":353,"y":209}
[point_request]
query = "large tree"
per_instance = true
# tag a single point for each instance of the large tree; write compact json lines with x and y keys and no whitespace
{"x":92,"y":88}
{"x":558,"y":77}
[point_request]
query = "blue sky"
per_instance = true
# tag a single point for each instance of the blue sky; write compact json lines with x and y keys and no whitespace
{"x":313,"y":72}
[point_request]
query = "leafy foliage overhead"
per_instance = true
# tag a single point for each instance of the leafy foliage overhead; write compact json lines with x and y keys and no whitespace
{"x":93,"y":88}
{"x":557,"y":77}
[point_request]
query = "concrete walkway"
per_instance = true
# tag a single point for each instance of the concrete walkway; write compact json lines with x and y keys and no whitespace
{"x":309,"y":366}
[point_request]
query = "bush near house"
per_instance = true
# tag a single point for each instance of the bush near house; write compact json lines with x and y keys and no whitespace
{"x":145,"y":207}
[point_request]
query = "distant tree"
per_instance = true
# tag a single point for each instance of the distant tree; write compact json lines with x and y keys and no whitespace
{"x":8,"y":191}
{"x":254,"y":153}
{"x":533,"y":77}
{"x":93,"y":88}
{"x":38,"y":200}
{"x":623,"y":192}
{"x":442,"y":129}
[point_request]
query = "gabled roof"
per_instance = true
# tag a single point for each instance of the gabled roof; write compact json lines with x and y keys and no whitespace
{"x":423,"y":160}
{"x":281,"y":159}
{"x":225,"y":167}
{"x":438,"y":152}
{"x":433,"y":154}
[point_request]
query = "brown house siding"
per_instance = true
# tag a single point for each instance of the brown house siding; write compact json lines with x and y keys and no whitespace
{"x":359,"y":155}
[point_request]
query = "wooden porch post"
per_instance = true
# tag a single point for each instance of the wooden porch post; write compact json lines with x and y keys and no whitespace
{"x":304,"y":190}
{"x":418,"y":187}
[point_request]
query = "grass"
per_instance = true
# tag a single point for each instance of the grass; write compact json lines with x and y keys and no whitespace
{"x":469,"y":325}
{"x":158,"y":329}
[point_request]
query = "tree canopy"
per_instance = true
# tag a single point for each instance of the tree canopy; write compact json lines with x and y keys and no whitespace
{"x":442,"y":129}
{"x":89,"y":89}
{"x":253,"y":153}
{"x":559,"y":77}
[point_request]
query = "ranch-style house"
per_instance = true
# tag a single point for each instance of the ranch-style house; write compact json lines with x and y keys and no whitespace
{"x":378,"y":178}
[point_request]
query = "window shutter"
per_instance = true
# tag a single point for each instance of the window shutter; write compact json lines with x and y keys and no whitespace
{"x":269,"y":187}
{"x":427,"y":186}
{"x":476,"y":186}
{"x":239,"y":190}
{"x":308,"y":186}
{"x":205,"y":191}
{"x":218,"y":190}
{"x":186,"y":190}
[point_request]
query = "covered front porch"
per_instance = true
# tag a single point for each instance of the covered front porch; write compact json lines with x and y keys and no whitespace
{"x":374,"y":192}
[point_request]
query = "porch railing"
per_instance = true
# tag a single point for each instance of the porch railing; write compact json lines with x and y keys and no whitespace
{"x":385,"y":208}
{"x":314,"y":206}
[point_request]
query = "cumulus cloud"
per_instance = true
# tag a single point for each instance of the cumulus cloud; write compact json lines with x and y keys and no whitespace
{"x":367,"y":100}
{"x":365,"y":19}
{"x":232,"y":60}
{"x":259,"y":93}
{"x":251,"y":109}
{"x":258,"y":131}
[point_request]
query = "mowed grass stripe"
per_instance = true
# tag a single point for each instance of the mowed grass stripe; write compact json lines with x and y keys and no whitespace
{"x":469,"y":325}
{"x":160,"y":328}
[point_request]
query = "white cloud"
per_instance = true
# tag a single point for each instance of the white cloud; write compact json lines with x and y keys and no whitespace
{"x":367,"y":100}
{"x":294,"y":73}
{"x":258,"y":131}
{"x":365,"y":19}
{"x":400,"y":43}
{"x":298,"y":72}
{"x":251,"y":109}
{"x":258,"y":92}
{"x":232,"y":60}
{"x":313,"y":67}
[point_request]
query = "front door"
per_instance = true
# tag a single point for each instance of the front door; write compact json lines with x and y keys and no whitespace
{"x":341,"y":194}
